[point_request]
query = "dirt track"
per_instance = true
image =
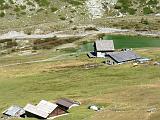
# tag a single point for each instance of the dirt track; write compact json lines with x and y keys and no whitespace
{"x":65,"y":34}
{"x":58,"y":34}
{"x":39,"y":61}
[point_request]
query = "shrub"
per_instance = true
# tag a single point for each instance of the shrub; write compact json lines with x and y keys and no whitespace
{"x":144,"y":21}
{"x":23,"y":13}
{"x":132,"y":11}
{"x":30,"y":3}
{"x":2,"y":1}
{"x":69,"y":50}
{"x":152,"y":2}
{"x":74,"y":2}
{"x":53,"y":9}
{"x":43,"y":2}
{"x":62,"y":18}
{"x":91,"y":28}
{"x":117,"y":6}
{"x":17,"y":9}
{"x":2,"y":14}
{"x":10,"y":44}
{"x":4,"y":6}
{"x":147,"y":10}
{"x":23,"y":7}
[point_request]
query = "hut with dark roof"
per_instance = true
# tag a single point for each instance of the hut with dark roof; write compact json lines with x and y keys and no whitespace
{"x":66,"y":103}
{"x":122,"y":57}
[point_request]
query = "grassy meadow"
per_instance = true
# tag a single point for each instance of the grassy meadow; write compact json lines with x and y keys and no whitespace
{"x":126,"y":92}
{"x":123,"y":41}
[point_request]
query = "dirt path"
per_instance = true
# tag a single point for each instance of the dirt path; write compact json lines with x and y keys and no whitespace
{"x":58,"y":34}
{"x":65,"y":34}
{"x":59,"y":57}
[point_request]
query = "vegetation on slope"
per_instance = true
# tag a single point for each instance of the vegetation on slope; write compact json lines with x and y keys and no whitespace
{"x":24,"y":7}
{"x":138,"y":6}
{"x":12,"y":7}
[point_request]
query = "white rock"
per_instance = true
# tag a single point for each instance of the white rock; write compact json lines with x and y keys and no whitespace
{"x":96,"y":7}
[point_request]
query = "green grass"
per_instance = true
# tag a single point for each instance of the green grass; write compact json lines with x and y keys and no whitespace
{"x":87,"y":47}
{"x":137,"y":6}
{"x":79,"y":84}
{"x":126,"y":41}
{"x":124,"y":86}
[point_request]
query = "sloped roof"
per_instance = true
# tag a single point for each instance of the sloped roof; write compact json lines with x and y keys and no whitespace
{"x":123,"y":56}
{"x":65,"y":102}
{"x":104,"y":45}
{"x":46,"y":106}
{"x":14,"y":111}
{"x":43,"y":109}
{"x":34,"y":110}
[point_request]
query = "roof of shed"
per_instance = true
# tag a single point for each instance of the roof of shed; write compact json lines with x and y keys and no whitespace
{"x":65,"y":102}
{"x":123,"y":56}
{"x":104,"y":45}
{"x":43,"y":109}
{"x":34,"y":110}
{"x":46,"y":106}
{"x":14,"y":111}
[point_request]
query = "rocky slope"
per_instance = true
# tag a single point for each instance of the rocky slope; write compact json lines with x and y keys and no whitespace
{"x":95,"y":8}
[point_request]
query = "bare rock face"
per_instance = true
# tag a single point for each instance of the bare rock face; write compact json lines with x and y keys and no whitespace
{"x":96,"y":8}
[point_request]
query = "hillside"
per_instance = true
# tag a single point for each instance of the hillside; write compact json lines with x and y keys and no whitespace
{"x":46,"y":50}
{"x":138,"y":6}
{"x":29,"y":7}
{"x":26,"y":15}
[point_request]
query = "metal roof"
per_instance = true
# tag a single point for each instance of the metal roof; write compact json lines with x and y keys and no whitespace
{"x":46,"y":106}
{"x":14,"y":111}
{"x":65,"y":102}
{"x":123,"y":56}
{"x":43,"y":109}
{"x":104,"y":45}
{"x":34,"y":110}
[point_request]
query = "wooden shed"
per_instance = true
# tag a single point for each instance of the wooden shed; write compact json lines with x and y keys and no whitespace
{"x":66,"y":103}
{"x":43,"y":110}
{"x":14,"y":111}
